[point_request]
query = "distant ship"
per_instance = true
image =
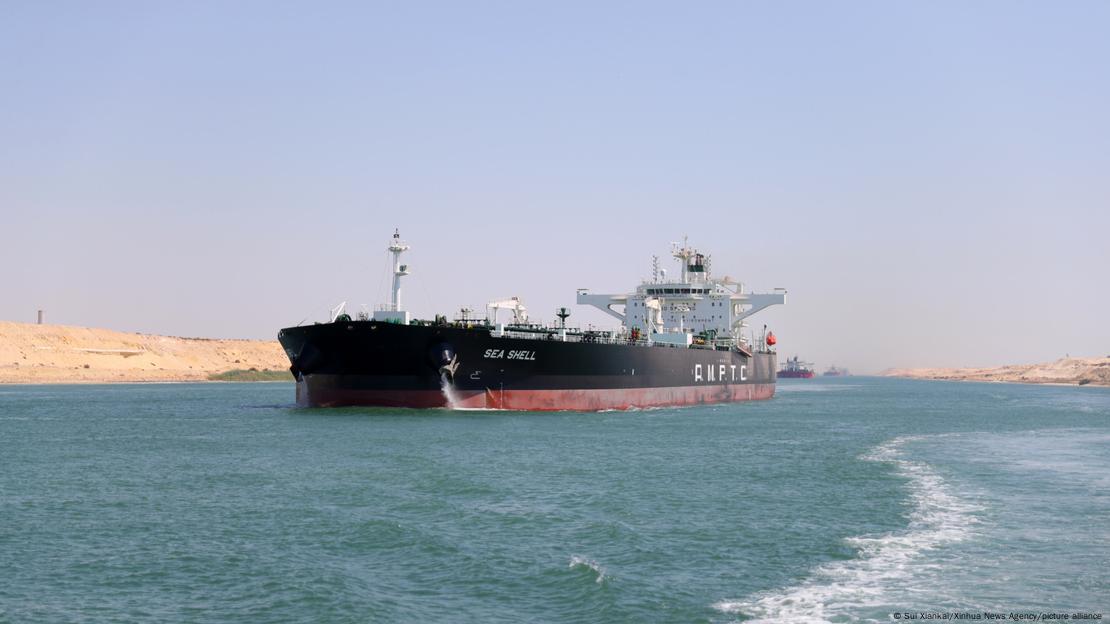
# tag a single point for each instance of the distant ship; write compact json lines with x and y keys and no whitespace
{"x":680,"y":342}
{"x":796,"y":369}
{"x":835,"y":372}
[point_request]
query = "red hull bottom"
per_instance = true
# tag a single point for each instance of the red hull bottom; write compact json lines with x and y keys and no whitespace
{"x":534,"y":400}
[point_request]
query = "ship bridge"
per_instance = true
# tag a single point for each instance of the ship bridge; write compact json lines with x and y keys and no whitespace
{"x":680,"y":311}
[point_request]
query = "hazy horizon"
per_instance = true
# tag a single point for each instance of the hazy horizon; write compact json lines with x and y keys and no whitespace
{"x":928,"y":182}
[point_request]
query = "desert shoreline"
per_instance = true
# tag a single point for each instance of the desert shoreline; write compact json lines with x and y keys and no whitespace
{"x":82,"y":382}
{"x":1057,"y":384}
{"x":32,"y":354}
{"x":1067,"y":371}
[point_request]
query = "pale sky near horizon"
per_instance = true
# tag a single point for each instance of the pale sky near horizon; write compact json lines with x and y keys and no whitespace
{"x":930,"y":181}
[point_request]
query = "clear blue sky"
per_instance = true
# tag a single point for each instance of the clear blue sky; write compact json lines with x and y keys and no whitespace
{"x":931,"y":181}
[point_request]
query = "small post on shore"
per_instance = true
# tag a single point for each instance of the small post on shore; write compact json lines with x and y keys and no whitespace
{"x":40,"y":317}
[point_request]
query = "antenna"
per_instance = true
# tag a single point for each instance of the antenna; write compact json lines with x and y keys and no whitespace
{"x":683,"y":255}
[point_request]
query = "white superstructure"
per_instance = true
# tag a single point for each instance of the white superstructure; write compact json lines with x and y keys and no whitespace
{"x":392,"y":311}
{"x":694,"y":307}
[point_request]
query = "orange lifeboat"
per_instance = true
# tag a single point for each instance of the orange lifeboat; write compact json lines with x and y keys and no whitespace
{"x":771,"y":338}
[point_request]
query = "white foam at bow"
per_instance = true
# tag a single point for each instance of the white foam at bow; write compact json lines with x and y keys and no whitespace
{"x":448,"y":389}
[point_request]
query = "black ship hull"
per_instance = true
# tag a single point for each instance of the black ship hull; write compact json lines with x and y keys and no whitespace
{"x":385,"y":364}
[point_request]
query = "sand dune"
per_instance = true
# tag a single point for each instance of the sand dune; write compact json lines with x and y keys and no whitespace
{"x":63,"y":354}
{"x":1094,"y":371}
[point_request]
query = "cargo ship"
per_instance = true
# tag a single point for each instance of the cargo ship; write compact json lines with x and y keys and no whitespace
{"x":680,"y":342}
{"x":796,"y":369}
{"x":835,"y":372}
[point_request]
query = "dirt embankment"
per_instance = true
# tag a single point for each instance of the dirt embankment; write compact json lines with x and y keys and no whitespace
{"x":1079,"y":371}
{"x":63,"y":354}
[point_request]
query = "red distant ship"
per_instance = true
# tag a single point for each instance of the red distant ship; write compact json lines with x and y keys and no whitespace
{"x":796,"y":369}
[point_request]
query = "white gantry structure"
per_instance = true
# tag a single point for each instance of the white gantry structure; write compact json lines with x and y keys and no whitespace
{"x":693,"y":307}
{"x":520,"y":313}
{"x":392,"y":311}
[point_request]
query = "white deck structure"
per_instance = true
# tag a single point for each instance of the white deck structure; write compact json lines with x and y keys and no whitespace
{"x":680,"y":311}
{"x":392,"y":311}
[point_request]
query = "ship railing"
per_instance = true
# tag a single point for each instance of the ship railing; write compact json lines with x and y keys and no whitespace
{"x":598,"y":339}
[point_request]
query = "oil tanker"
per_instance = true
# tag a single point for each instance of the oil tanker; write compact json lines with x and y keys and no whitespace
{"x":680,"y":342}
{"x":796,"y":369}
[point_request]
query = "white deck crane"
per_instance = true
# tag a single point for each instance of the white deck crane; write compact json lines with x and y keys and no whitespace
{"x":520,"y":313}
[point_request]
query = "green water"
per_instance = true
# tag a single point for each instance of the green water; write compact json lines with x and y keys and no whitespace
{"x":839,"y":500}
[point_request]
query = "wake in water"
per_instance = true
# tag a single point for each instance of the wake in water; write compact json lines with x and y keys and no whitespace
{"x":884,"y":563}
{"x":797,"y":387}
{"x":588,"y":564}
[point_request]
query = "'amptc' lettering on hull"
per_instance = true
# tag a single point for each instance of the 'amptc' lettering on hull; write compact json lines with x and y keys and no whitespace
{"x":720,"y":373}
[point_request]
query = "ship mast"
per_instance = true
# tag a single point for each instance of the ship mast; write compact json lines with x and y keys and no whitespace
{"x":397,"y":247}
{"x":393,"y":312}
{"x":683,"y":255}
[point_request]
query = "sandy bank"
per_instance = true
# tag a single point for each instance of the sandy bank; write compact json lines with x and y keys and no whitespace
{"x":1080,"y":371}
{"x":63,"y":354}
